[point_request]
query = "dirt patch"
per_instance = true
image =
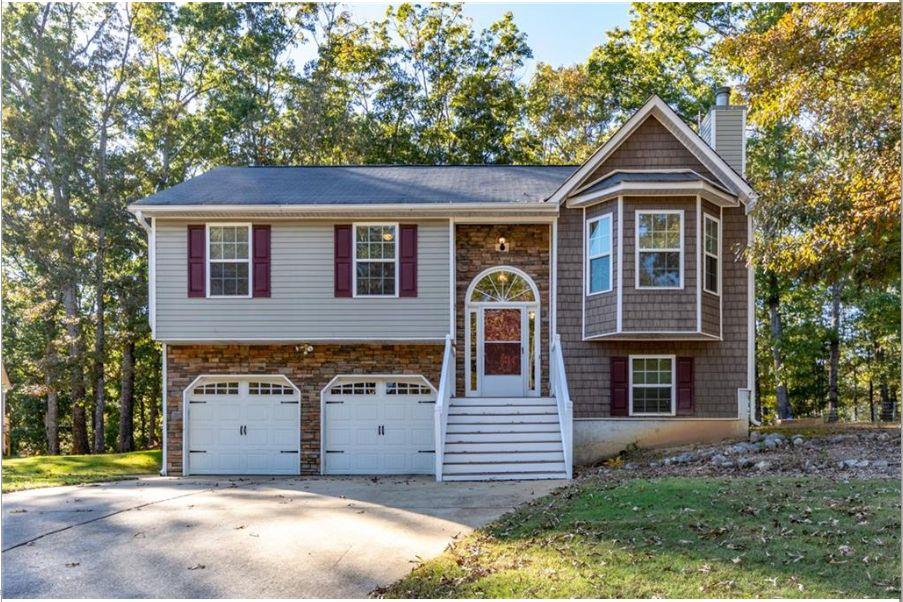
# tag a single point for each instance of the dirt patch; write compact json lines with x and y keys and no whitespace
{"x":841,"y":453}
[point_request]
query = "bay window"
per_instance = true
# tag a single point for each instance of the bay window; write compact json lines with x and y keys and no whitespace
{"x":598,"y":255}
{"x":659,"y":257}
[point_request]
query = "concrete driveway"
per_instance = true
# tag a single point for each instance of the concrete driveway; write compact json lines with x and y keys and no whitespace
{"x":224,"y":537}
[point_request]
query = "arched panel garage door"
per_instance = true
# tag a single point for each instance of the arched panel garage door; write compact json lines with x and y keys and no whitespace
{"x":378,"y":425}
{"x":242,"y":425}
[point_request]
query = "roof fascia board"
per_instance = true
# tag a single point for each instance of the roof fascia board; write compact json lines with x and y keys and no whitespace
{"x":655,"y":106}
{"x":437,"y":210}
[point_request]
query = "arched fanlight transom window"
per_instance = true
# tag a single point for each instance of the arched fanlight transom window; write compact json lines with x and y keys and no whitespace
{"x":503,"y":286}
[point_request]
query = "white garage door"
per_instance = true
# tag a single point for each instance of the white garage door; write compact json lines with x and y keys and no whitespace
{"x":243,"y":426}
{"x":373,"y":426}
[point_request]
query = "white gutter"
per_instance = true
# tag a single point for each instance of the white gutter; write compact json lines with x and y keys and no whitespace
{"x":751,"y":328}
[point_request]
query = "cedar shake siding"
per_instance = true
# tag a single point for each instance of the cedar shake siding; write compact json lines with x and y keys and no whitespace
{"x":720,"y":367}
{"x":310,"y":373}
{"x":665,"y":310}
{"x":475,"y":251}
{"x":601,"y":308}
{"x":650,"y":147}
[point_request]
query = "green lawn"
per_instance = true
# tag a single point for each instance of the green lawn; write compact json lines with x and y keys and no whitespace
{"x":50,"y":471}
{"x":681,"y":538}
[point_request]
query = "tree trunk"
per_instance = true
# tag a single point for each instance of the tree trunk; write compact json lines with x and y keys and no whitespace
{"x":126,"y":398}
{"x":76,"y":377}
{"x":142,"y":421}
{"x":784,"y":410}
{"x":99,"y":349}
{"x":834,"y":357}
{"x":52,"y":416}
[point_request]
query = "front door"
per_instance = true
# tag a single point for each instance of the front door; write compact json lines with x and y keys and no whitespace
{"x":503,"y":346}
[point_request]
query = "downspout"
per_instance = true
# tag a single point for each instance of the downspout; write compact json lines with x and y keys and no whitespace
{"x":165,"y":443}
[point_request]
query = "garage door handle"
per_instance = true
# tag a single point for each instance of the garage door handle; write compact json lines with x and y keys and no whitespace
{"x":288,"y":451}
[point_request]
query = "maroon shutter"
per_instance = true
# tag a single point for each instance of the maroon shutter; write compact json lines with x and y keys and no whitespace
{"x":407,"y":257}
{"x":619,"y":386}
{"x":684,"y":385}
{"x":342,"y":279}
{"x":197,"y":279}
{"x":261,"y":260}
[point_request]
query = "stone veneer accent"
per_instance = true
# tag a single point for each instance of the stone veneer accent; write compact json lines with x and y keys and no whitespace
{"x":475,"y":251}
{"x":310,"y":373}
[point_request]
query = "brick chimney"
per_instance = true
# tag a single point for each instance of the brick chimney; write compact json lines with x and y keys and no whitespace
{"x":724,"y":129}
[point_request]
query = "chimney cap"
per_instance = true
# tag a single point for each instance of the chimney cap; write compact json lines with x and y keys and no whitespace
{"x":722,"y":96}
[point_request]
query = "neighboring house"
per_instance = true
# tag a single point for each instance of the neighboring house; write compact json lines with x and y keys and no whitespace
{"x":471,"y":322}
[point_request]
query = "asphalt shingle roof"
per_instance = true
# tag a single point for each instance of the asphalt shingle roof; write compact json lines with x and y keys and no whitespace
{"x":365,"y":184}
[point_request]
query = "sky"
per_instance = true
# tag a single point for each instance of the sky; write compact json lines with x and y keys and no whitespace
{"x":558,"y":34}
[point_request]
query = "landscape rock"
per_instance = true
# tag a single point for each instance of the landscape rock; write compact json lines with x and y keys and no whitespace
{"x":754,"y":436}
{"x":763,"y":465}
{"x":880,"y":464}
{"x":797,"y":441}
{"x":851,"y":463}
{"x":742,"y":448}
{"x":745,"y":462}
{"x":721,"y":460}
{"x":683,"y":458}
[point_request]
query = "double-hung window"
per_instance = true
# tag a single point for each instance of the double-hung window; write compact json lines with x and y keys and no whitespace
{"x":652,"y":385}
{"x":229,"y":253}
{"x":598,"y":254}
{"x":659,"y":236}
{"x":712,"y":248}
{"x":375,"y":260}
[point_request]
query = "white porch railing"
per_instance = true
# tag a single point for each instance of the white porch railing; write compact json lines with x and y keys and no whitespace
{"x":443,"y":399}
{"x":559,"y":382}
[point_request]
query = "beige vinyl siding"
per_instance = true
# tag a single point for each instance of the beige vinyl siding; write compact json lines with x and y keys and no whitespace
{"x":302,"y":306}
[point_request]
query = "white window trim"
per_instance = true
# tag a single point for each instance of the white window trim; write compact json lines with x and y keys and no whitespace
{"x":716,"y":256}
{"x":680,"y":249}
{"x":207,"y":258}
{"x":673,"y":359}
{"x":354,"y":228}
{"x":590,"y":257}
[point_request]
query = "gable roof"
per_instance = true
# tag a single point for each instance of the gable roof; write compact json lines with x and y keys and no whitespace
{"x":659,"y":109}
{"x":363,"y":185}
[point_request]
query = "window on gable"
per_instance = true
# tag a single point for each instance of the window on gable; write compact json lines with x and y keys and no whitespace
{"x":651,"y":385}
{"x":659,"y":249}
{"x":712,"y":249}
{"x":598,"y":254}
{"x":375,"y":259}
{"x":229,"y":250}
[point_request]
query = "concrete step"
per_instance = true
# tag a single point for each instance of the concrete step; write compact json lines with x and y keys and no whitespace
{"x":501,"y":457}
{"x":502,"y":410}
{"x":508,"y":476}
{"x":502,"y":419}
{"x":549,"y":427}
{"x":495,"y":446}
{"x":503,"y":467}
{"x":502,"y":401}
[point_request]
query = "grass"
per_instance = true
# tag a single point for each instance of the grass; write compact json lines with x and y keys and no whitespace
{"x":681,"y":538}
{"x":50,"y":471}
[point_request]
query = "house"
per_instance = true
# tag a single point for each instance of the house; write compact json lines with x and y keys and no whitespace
{"x":468,"y":322}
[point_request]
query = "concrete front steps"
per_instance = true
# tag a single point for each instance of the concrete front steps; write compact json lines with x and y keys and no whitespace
{"x":495,"y":439}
